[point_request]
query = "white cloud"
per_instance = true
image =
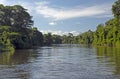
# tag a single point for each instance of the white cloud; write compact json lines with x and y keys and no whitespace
{"x":103,"y":16}
{"x":57,"y":13}
{"x":47,"y":11}
{"x":59,"y":32}
{"x":52,"y":23}
{"x":50,"y":31}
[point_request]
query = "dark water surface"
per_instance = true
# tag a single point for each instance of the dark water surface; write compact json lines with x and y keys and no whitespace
{"x":61,"y":62}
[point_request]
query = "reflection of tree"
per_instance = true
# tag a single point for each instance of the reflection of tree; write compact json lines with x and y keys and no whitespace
{"x":19,"y":57}
{"x":5,"y":58}
{"x":23,"y":56}
{"x":17,"y":63}
{"x":112,"y":56}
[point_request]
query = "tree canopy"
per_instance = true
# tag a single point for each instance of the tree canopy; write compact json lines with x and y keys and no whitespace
{"x":16,"y":28}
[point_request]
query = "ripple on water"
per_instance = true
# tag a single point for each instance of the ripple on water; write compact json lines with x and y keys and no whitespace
{"x":61,"y":62}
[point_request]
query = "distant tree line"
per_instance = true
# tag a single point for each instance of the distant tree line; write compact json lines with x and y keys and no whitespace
{"x":16,"y":31}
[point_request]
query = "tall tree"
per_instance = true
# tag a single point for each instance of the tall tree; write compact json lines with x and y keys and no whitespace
{"x":116,"y":8}
{"x":15,"y":16}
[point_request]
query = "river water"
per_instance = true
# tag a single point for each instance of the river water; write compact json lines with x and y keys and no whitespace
{"x":61,"y":62}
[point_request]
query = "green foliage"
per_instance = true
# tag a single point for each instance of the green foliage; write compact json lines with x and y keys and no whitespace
{"x":36,"y":37}
{"x":68,"y":39}
{"x":5,"y":43}
{"x":15,"y":16}
{"x":116,"y":8}
{"x":86,"y":38}
{"x":48,"y":39}
{"x":56,"y":39}
{"x":16,"y":29}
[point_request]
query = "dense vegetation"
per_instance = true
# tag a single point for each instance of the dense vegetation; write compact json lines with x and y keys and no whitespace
{"x":16,"y":31}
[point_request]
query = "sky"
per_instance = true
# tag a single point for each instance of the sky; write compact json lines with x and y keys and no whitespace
{"x":66,"y":16}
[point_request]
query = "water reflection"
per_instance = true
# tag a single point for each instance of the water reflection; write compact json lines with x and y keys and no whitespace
{"x":24,"y":56}
{"x":110,"y":56}
{"x":17,"y":57}
{"x":5,"y":58}
{"x":61,"y":62}
{"x":16,"y":65}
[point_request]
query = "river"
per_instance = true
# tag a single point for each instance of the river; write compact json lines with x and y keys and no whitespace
{"x":63,"y":61}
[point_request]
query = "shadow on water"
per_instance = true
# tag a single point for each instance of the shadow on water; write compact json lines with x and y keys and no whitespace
{"x":17,"y":57}
{"x":15,"y":65}
{"x":110,"y":56}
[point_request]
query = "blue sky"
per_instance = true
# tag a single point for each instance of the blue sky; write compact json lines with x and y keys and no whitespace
{"x":63,"y":16}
